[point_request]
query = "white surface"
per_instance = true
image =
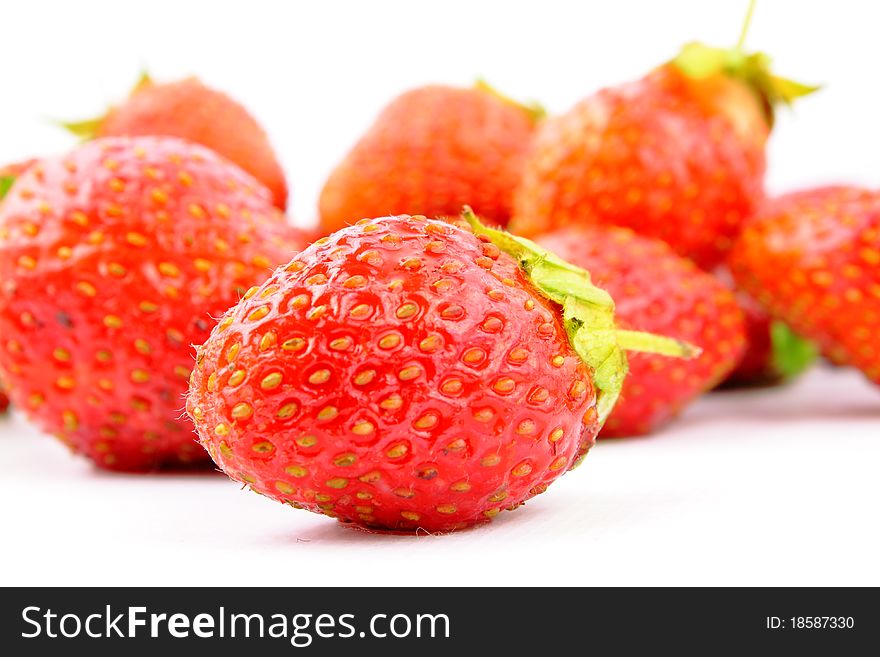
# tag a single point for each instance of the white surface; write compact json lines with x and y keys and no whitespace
{"x":770,"y":487}
{"x":767,"y":487}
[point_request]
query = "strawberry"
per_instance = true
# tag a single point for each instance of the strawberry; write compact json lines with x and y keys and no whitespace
{"x":774,"y":353}
{"x":405,"y":373}
{"x":190,"y":110}
{"x":8,"y":174}
{"x":430,"y":151}
{"x":656,"y":290}
{"x":812,"y":259}
{"x":677,"y":155}
{"x":113,"y":260}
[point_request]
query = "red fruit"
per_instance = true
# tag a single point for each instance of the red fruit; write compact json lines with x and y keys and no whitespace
{"x":190,"y":110}
{"x":812,"y":259}
{"x":774,"y":354}
{"x":677,"y":155}
{"x":403,"y":373}
{"x":656,"y":290}
{"x":113,"y":261}
{"x":430,"y":151}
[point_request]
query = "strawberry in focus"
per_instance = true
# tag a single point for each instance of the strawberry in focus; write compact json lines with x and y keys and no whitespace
{"x":113,"y":261}
{"x":812,"y":259}
{"x":190,"y":110}
{"x":658,"y":291}
{"x":678,"y":155}
{"x":405,"y":373}
{"x":432,"y":150}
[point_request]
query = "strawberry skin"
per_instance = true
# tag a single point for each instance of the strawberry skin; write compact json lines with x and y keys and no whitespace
{"x":656,"y":290}
{"x":113,"y":260}
{"x":671,"y":158}
{"x":432,"y":150}
{"x":812,"y":259}
{"x":190,"y":110}
{"x":401,"y":373}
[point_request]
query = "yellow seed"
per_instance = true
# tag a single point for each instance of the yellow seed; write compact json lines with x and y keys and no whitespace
{"x":556,"y":434}
{"x":61,"y":354}
{"x":140,"y":376}
{"x":363,"y":428}
{"x":522,"y":469}
{"x":355,"y":281}
{"x":112,"y":321}
{"x":391,"y":403}
{"x":328,"y":413}
{"x":259,"y":313}
{"x":504,"y":385}
{"x":136,"y":239}
{"x":410,"y":515}
{"x":460,"y":487}
{"x":271,"y":381}
{"x":360,"y":311}
{"x":345,"y":460}
{"x":430,"y":344}
{"x":364,"y":377}
{"x":235,"y":378}
{"x":225,"y":323}
{"x":65,"y":382}
{"x":287,"y":410}
{"x":427,"y":421}
{"x":318,"y":377}
{"x":341,"y":344}
{"x":116,"y":270}
{"x":337,"y":482}
{"x":284,"y":487}
{"x":389,"y":341}
{"x":451,"y":387}
{"x":86,"y":288}
{"x":263,"y":447}
{"x":407,"y":310}
{"x":490,"y":460}
{"x":169,"y":269}
{"x":396,"y":451}
{"x":242,"y":410}
{"x":294,"y":344}
{"x":70,"y":420}
{"x":306,"y":441}
{"x":232,"y":352}
{"x":446,"y":509}
{"x":558,"y":463}
{"x":557,"y":361}
{"x":409,"y":373}
{"x":148,"y":306}
{"x":142,"y":346}
{"x":297,"y":471}
{"x":221,"y":430}
{"x":202,"y":265}
{"x":268,"y":340}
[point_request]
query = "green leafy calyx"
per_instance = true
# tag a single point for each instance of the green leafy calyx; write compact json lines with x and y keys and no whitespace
{"x":587,"y":313}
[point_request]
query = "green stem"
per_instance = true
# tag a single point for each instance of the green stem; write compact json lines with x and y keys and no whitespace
{"x":745,"y":28}
{"x":656,"y":344}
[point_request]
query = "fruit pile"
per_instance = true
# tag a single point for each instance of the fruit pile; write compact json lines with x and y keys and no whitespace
{"x":412,"y":364}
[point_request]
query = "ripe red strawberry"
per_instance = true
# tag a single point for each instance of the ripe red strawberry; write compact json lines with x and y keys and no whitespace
{"x":430,"y":151}
{"x":774,"y":353}
{"x":190,"y":110}
{"x":113,"y":261}
{"x":658,"y":291}
{"x":812,"y":258}
{"x":8,"y":174}
{"x":403,"y":373}
{"x":677,"y":155}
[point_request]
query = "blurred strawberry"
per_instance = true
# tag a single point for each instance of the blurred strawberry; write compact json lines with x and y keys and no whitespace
{"x":190,"y":110}
{"x":430,"y":151}
{"x":677,"y":155}
{"x":812,"y":259}
{"x":113,"y":260}
{"x":658,"y":291}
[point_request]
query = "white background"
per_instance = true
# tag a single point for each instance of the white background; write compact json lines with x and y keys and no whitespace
{"x":767,"y":487}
